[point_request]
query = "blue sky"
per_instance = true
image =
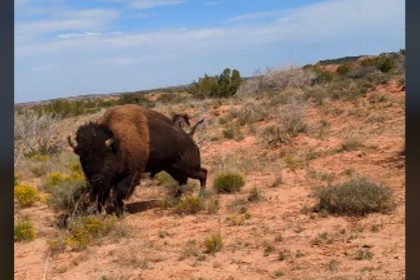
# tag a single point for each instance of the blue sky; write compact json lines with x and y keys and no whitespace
{"x":71,"y":47}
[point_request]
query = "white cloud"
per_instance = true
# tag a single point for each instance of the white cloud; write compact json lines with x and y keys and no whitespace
{"x":45,"y":67}
{"x":62,"y":21}
{"x":150,"y":4}
{"x":254,"y":15}
{"x":79,"y":35}
{"x":324,"y":30}
{"x":331,"y":20}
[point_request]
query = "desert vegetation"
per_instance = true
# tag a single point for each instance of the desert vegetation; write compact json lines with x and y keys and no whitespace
{"x":305,"y":181}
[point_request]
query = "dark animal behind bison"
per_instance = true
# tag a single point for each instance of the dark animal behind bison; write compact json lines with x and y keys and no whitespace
{"x":127,"y":141}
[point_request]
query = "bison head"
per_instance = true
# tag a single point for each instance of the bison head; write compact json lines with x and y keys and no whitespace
{"x":97,"y":148}
{"x":180,"y":120}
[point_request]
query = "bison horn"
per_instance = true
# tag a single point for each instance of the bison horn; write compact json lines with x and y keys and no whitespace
{"x":71,"y":142}
{"x":109,"y":142}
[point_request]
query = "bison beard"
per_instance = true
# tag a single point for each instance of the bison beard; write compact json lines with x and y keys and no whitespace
{"x":128,"y":141}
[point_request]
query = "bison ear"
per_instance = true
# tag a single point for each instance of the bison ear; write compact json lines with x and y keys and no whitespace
{"x":112,"y":144}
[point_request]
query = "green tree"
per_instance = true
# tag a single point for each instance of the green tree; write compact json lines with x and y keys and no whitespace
{"x":224,"y":85}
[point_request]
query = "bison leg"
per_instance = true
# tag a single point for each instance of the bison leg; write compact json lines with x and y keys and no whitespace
{"x":124,"y":190}
{"x":100,"y":195}
{"x":180,"y":177}
{"x":200,"y":174}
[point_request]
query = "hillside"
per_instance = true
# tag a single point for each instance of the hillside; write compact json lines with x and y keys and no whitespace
{"x":289,"y":133}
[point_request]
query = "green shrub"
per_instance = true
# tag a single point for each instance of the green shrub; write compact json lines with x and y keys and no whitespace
{"x":68,"y":108}
{"x":228,"y":183}
{"x":87,"y":229}
{"x":135,"y":98}
{"x":168,"y":98}
{"x":24,"y":231}
{"x":355,"y":197}
{"x":164,"y":179}
{"x":213,"y":243}
{"x":26,"y":195}
{"x":383,"y":63}
{"x":224,"y":85}
{"x":65,"y":190}
{"x":343,"y":69}
{"x":323,"y":76}
{"x":189,"y":205}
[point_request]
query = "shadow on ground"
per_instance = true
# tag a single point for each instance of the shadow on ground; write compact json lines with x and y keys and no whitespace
{"x":141,"y":206}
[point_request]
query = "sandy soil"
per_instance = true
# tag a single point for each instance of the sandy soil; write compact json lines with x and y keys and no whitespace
{"x":146,"y":253}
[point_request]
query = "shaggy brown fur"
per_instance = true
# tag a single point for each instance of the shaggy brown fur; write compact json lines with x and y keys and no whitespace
{"x":123,"y":121}
{"x":129,"y":140}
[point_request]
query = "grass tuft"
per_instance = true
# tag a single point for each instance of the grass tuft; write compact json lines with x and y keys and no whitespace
{"x":189,"y":205}
{"x":255,"y":195}
{"x":213,"y":243}
{"x":23,"y":230}
{"x":228,"y":183}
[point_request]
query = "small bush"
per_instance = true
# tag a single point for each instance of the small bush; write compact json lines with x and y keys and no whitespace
{"x":26,"y":195}
{"x":343,"y":69}
{"x":65,"y":190}
{"x":228,"y":183}
{"x":323,"y":238}
{"x":291,"y":123}
{"x":224,"y":85}
{"x":288,"y":77}
{"x":35,"y":134}
{"x":255,"y":195}
{"x":268,"y":249}
{"x":383,"y":63}
{"x":238,"y":204}
{"x":323,"y":77}
{"x":278,"y":273}
{"x":24,"y":231}
{"x":355,"y":197}
{"x":86,"y":229}
{"x":164,"y":179}
{"x":362,"y":254}
{"x":189,"y":205}
{"x":190,"y":250}
{"x":235,"y":220}
{"x":135,"y":98}
{"x":233,"y":131}
{"x":213,"y":243}
{"x":351,"y":144}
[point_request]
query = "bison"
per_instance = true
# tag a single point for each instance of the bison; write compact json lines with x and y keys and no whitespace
{"x":182,"y":120}
{"x":129,"y":140}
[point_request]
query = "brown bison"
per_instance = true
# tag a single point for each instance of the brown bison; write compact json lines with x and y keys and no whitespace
{"x":183,"y":120}
{"x":127,"y":141}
